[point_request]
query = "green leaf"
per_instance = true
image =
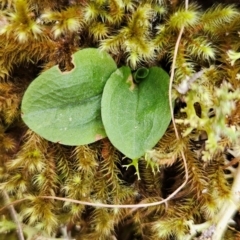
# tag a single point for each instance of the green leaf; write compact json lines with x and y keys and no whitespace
{"x":140,"y":74}
{"x":135,"y":117}
{"x":65,"y":107}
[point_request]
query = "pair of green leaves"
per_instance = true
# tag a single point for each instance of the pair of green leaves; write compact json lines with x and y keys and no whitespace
{"x":96,"y":99}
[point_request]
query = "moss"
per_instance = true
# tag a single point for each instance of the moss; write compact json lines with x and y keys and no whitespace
{"x":35,"y":35}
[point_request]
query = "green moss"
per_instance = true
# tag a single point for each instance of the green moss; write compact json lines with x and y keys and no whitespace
{"x":35,"y":35}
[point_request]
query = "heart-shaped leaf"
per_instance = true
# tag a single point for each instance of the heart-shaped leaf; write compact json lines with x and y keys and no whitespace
{"x":65,"y":107}
{"x":136,"y":116}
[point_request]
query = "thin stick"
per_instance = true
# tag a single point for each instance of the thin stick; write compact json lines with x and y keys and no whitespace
{"x":92,"y":204}
{"x":171,"y":106}
{"x":228,"y":209}
{"x":14,"y":216}
{"x":172,"y":110}
{"x":171,"y":81}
